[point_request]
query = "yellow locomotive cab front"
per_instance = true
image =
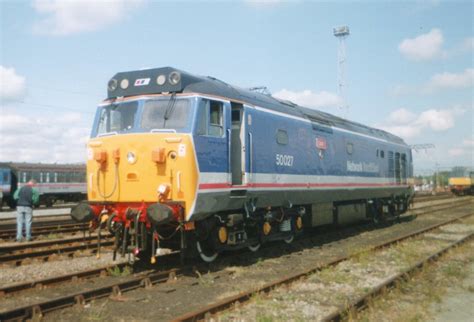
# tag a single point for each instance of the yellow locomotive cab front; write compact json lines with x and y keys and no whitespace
{"x":142,"y":167}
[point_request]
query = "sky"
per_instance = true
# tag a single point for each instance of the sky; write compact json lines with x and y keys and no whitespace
{"x":408,"y":67}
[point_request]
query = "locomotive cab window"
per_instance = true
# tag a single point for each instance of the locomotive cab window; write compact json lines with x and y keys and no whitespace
{"x":211,"y":118}
{"x":117,"y":117}
{"x":282,"y":137}
{"x":165,"y":114}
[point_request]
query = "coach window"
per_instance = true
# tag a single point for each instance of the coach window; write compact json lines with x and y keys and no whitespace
{"x":350,"y":148}
{"x":41,"y":176}
{"x":382,"y":154}
{"x":282,"y":137}
{"x":55,"y":177}
{"x":211,"y":118}
{"x":36,"y":176}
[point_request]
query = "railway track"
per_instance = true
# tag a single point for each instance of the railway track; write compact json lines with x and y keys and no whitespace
{"x":58,"y":206}
{"x":15,"y":258}
{"x":419,"y":199}
{"x":145,"y":280}
{"x":47,"y":229}
{"x":16,"y":254}
{"x":228,"y":303}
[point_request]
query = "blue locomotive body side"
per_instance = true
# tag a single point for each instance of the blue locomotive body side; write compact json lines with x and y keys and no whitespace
{"x":292,"y":160}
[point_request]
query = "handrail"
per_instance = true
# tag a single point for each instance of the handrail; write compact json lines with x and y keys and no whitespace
{"x":250,"y":154}
{"x":229,"y":161}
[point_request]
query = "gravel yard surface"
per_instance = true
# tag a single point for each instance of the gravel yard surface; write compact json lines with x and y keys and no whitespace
{"x":457,"y":303}
{"x":242,"y":271}
{"x":61,"y":266}
{"x":325,"y":291}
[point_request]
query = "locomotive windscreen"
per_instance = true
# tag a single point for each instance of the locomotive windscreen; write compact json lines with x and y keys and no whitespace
{"x":143,"y":116}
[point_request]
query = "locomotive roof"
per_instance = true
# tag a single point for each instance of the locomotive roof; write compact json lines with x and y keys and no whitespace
{"x":172,"y":80}
{"x":25,"y":166}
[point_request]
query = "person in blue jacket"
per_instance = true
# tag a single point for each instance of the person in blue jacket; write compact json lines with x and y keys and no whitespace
{"x":26,"y":197}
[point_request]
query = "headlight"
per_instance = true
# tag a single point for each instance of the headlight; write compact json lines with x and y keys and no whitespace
{"x":174,"y":78}
{"x":160,"y":80}
{"x":124,"y":83}
{"x":163,"y":188}
{"x":112,"y":85}
{"x":131,"y":157}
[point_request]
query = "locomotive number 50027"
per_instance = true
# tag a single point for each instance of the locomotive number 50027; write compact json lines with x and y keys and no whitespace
{"x":284,"y":160}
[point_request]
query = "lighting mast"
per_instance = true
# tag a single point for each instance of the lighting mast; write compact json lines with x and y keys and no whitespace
{"x":342,"y":33}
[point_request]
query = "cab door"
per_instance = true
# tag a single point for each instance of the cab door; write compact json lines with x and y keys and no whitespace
{"x":237,"y":145}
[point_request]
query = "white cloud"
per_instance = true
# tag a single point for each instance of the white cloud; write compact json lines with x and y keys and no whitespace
{"x":424,"y":47}
{"x":46,"y":139}
{"x":444,"y":80}
{"x":308,"y":98}
{"x":12,"y":85}
{"x":441,"y":81}
{"x":437,"y":120}
{"x":75,"y":16}
{"x":401,"y":116}
{"x":408,"y":125}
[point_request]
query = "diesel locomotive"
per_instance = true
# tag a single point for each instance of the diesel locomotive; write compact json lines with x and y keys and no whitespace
{"x":194,"y":164}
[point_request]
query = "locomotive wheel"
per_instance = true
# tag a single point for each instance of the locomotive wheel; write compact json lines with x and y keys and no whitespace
{"x":206,"y":252}
{"x":254,"y":248}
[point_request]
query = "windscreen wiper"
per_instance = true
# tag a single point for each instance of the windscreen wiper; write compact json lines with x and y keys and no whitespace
{"x":169,"y":109}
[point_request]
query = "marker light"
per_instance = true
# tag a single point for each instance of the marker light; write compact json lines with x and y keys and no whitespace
{"x":124,"y":83}
{"x":174,"y":78}
{"x":131,"y":157}
{"x":160,"y":80}
{"x":112,"y":85}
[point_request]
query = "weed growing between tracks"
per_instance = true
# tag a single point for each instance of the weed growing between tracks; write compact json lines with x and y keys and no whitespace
{"x":117,"y":272}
